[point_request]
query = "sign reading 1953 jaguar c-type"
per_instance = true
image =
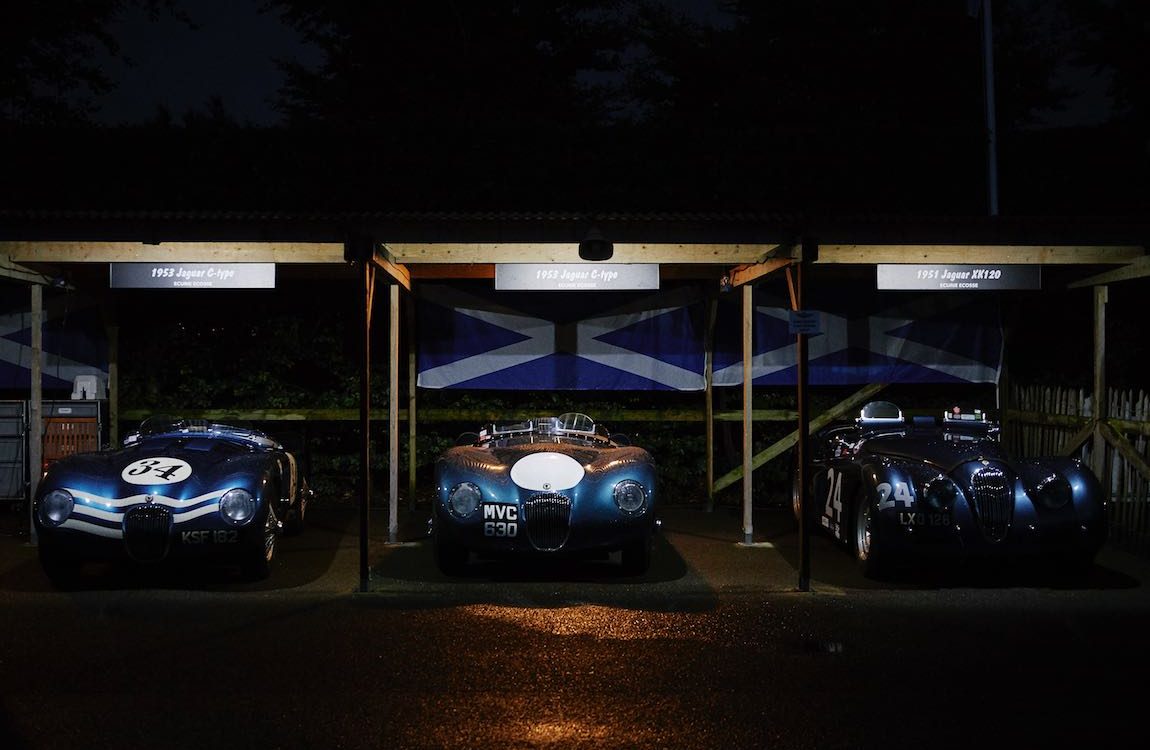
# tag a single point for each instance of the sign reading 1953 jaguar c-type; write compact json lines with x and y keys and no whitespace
{"x":178,"y":490}
{"x":551,"y":487}
{"x":897,"y":489}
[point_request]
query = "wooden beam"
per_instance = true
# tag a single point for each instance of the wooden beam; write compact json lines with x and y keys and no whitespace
{"x":11,"y":270}
{"x":451,"y":270}
{"x":859,"y":397}
{"x":173,"y":252}
{"x":1139,"y":269}
{"x":1023,"y":254}
{"x":745,"y":274}
{"x":383,"y":260}
{"x":568,"y":252}
{"x":1128,"y":451}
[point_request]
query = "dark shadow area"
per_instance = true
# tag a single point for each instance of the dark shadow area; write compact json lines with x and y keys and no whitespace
{"x":408,"y":576}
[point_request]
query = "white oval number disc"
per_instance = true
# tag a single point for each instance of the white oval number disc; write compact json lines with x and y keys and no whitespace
{"x":547,"y":471}
{"x":156,"y":470}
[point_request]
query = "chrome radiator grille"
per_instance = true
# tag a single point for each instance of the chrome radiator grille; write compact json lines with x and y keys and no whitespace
{"x":146,"y":532}
{"x":993,"y":503}
{"x":548,"y":520}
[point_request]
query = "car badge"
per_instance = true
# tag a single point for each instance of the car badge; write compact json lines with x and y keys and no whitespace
{"x":546,"y":485}
{"x":149,"y":499}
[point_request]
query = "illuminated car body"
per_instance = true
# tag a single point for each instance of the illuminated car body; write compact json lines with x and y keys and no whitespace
{"x":177,"y":490}
{"x":896,"y":490}
{"x":550,"y":487}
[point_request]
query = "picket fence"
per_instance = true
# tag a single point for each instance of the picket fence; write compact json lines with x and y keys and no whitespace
{"x":1045,"y":421}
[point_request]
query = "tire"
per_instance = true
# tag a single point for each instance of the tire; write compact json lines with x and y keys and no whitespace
{"x":257,"y":564}
{"x":450,"y":558}
{"x":636,"y":557}
{"x":296,"y":519}
{"x":796,"y":496}
{"x":866,"y":542}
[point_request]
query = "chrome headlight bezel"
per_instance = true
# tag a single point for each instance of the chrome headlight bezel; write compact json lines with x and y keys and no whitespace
{"x":1053,"y":491}
{"x":939,"y":493}
{"x":238,"y":506}
{"x":55,"y":507}
{"x":464,"y":499}
{"x":630,"y":496}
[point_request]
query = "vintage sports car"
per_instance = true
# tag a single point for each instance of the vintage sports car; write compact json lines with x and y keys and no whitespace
{"x":550,"y":487}
{"x":178,"y":490}
{"x":897,"y":490}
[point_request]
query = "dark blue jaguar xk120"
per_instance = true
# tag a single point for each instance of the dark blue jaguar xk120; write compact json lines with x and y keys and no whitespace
{"x":178,"y":490}
{"x":896,"y":490}
{"x":547,"y":487}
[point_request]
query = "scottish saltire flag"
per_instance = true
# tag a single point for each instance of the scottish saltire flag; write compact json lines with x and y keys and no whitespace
{"x":471,"y":336}
{"x":73,"y":342}
{"x":867,"y":337}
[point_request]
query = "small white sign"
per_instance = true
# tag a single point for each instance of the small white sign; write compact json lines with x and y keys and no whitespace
{"x":192,"y":275}
{"x":958,"y":277}
{"x":570,"y":277}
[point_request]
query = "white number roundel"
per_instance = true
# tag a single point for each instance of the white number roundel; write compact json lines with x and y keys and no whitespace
{"x":156,"y":470}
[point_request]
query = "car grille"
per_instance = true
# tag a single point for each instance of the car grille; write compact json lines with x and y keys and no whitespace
{"x":146,"y":532}
{"x":548,"y":520}
{"x":993,"y":504}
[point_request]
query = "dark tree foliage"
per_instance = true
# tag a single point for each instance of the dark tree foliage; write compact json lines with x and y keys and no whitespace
{"x":48,"y":73}
{"x":800,"y":106}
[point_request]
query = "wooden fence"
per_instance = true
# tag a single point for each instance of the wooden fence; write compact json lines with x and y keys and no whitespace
{"x":1045,"y":421}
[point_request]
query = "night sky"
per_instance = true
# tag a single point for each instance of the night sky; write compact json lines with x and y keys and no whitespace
{"x":233,"y":49}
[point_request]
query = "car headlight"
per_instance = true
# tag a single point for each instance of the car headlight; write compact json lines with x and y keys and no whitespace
{"x":238,"y":506}
{"x":1053,"y":491}
{"x":939,"y":493}
{"x":630,"y":496}
{"x":464,"y":499}
{"x":55,"y":507}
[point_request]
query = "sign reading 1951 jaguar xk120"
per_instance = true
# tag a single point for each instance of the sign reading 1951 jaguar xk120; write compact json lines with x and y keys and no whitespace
{"x":178,"y":490}
{"x":549,"y":487}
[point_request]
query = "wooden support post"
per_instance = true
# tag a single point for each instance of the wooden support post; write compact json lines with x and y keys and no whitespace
{"x":412,"y":378}
{"x":810,"y":251}
{"x":1098,"y":451}
{"x":709,"y":376}
{"x":365,"y":428}
{"x":393,"y":418}
{"x":36,"y":405}
{"x":748,"y":406}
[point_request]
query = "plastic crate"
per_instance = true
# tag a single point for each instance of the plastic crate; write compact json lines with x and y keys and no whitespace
{"x":68,"y":436}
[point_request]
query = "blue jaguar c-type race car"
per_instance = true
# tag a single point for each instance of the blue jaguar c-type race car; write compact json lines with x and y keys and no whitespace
{"x":178,"y":490}
{"x":895,"y":490}
{"x":547,"y":487}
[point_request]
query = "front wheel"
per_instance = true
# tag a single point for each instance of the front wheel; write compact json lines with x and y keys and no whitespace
{"x":62,"y":569}
{"x":636,"y":557}
{"x":258,"y":564}
{"x":867,"y":542}
{"x":450,"y":558}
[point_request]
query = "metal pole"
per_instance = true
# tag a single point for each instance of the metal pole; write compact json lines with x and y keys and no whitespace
{"x":991,"y":125}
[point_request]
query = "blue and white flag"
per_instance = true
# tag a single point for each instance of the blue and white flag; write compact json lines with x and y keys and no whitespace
{"x":866,"y":337}
{"x":74,"y":342}
{"x":474,"y":337}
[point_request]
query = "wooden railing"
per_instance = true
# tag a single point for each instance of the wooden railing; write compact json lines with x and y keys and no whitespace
{"x":1049,"y":421}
